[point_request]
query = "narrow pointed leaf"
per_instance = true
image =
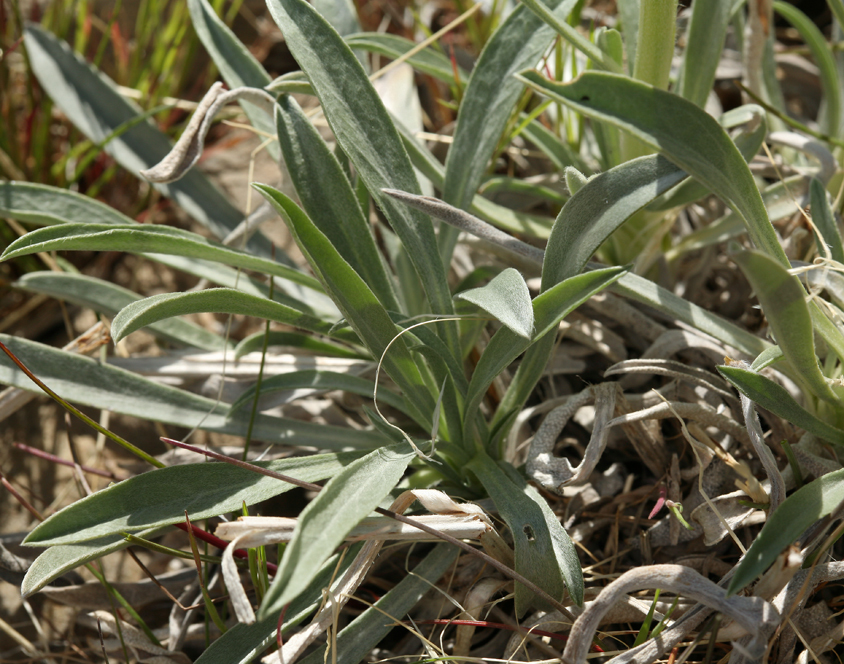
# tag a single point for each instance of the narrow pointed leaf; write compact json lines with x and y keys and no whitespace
{"x":681,"y":131}
{"x":783,"y":301}
{"x":160,"y":497}
{"x":428,"y":60}
{"x":775,"y":398}
{"x":366,"y":134}
{"x":824,"y":220}
{"x":255,"y":342}
{"x":213,"y":300}
{"x":704,"y":46}
{"x":107,"y":298}
{"x":792,"y":518}
{"x":348,"y":497}
{"x":138,"y":238}
{"x":42,"y":204}
{"x":506,"y":298}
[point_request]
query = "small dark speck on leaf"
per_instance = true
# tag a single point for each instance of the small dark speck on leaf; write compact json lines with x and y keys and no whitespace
{"x":528,"y":531}
{"x":584,"y":98}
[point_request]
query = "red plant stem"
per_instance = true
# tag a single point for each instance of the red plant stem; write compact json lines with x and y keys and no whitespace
{"x":220,"y":543}
{"x":64,"y":462}
{"x":23,"y":501}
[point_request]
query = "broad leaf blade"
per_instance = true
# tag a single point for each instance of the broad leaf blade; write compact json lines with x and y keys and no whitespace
{"x":783,"y":301}
{"x":791,"y":519}
{"x":323,"y":525}
{"x":681,"y":131}
{"x":160,"y":497}
{"x":775,"y":398}
{"x":138,"y":238}
{"x":107,"y":298}
{"x":506,"y":298}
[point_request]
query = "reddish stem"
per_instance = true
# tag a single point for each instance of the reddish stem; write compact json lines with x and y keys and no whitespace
{"x":64,"y":462}
{"x":220,"y":543}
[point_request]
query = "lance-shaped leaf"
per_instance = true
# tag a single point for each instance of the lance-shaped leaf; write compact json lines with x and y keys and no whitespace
{"x":507,"y":298}
{"x":791,"y":519}
{"x":137,"y":238}
{"x":824,"y":222}
{"x":213,"y":300}
{"x":549,"y":308}
{"x":323,"y":525}
{"x":548,"y":559}
{"x":704,"y":46}
{"x":91,"y":102}
{"x":775,"y":398}
{"x":366,"y":134}
{"x":428,"y":61}
{"x":680,"y":130}
{"x":107,"y":298}
{"x":332,"y":205}
{"x":356,"y":301}
{"x":160,"y":497}
{"x":43,"y":204}
{"x":255,"y":342}
{"x":783,"y":301}
{"x":83,"y":381}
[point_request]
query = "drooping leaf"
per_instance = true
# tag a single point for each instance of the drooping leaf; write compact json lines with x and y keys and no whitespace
{"x":332,"y":206}
{"x":775,"y":398}
{"x":366,"y":134}
{"x":681,"y":131}
{"x":536,"y":556}
{"x":347,"y":498}
{"x":137,"y":238}
{"x":506,"y":298}
{"x":42,"y":204}
{"x":783,"y":301}
{"x":160,"y":497}
{"x":792,"y":518}
{"x":358,"y":638}
{"x":215,"y":300}
{"x":107,"y":298}
{"x":83,"y":381}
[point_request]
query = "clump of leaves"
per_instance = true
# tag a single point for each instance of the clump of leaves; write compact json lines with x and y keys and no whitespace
{"x":636,"y":157}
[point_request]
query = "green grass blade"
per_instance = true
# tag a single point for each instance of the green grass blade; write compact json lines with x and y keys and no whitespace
{"x":491,"y":94}
{"x":332,"y":206}
{"x":775,"y":398}
{"x":704,"y":46}
{"x":793,"y":517}
{"x":783,"y":301}
{"x":356,"y":640}
{"x":347,"y":498}
{"x":139,"y":238}
{"x":544,"y":552}
{"x":824,"y":59}
{"x":90,"y":101}
{"x":88,"y":383}
{"x":160,"y":497}
{"x":356,"y":301}
{"x":366,"y":134}
{"x":215,"y":300}
{"x":107,"y":298}
{"x":681,"y":131}
{"x":823,"y":217}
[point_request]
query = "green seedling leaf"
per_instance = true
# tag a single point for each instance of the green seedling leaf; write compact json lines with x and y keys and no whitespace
{"x":783,"y":301}
{"x":548,"y":559}
{"x":242,"y":643}
{"x":506,"y":298}
{"x":58,"y":560}
{"x":41,"y":204}
{"x":366,"y":134}
{"x":681,"y":131}
{"x":356,"y":301}
{"x":358,"y":638}
{"x":88,"y":383}
{"x":313,"y":380}
{"x":704,"y":46}
{"x":237,"y":65}
{"x":255,"y":342}
{"x":332,"y":206}
{"x":107,"y":298}
{"x":791,"y":519}
{"x":766,"y":358}
{"x":775,"y":398}
{"x":215,"y":300}
{"x":137,"y":238}
{"x":827,"y":238}
{"x":90,"y":100}
{"x":347,"y":498}
{"x":428,"y":61}
{"x":160,"y":497}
